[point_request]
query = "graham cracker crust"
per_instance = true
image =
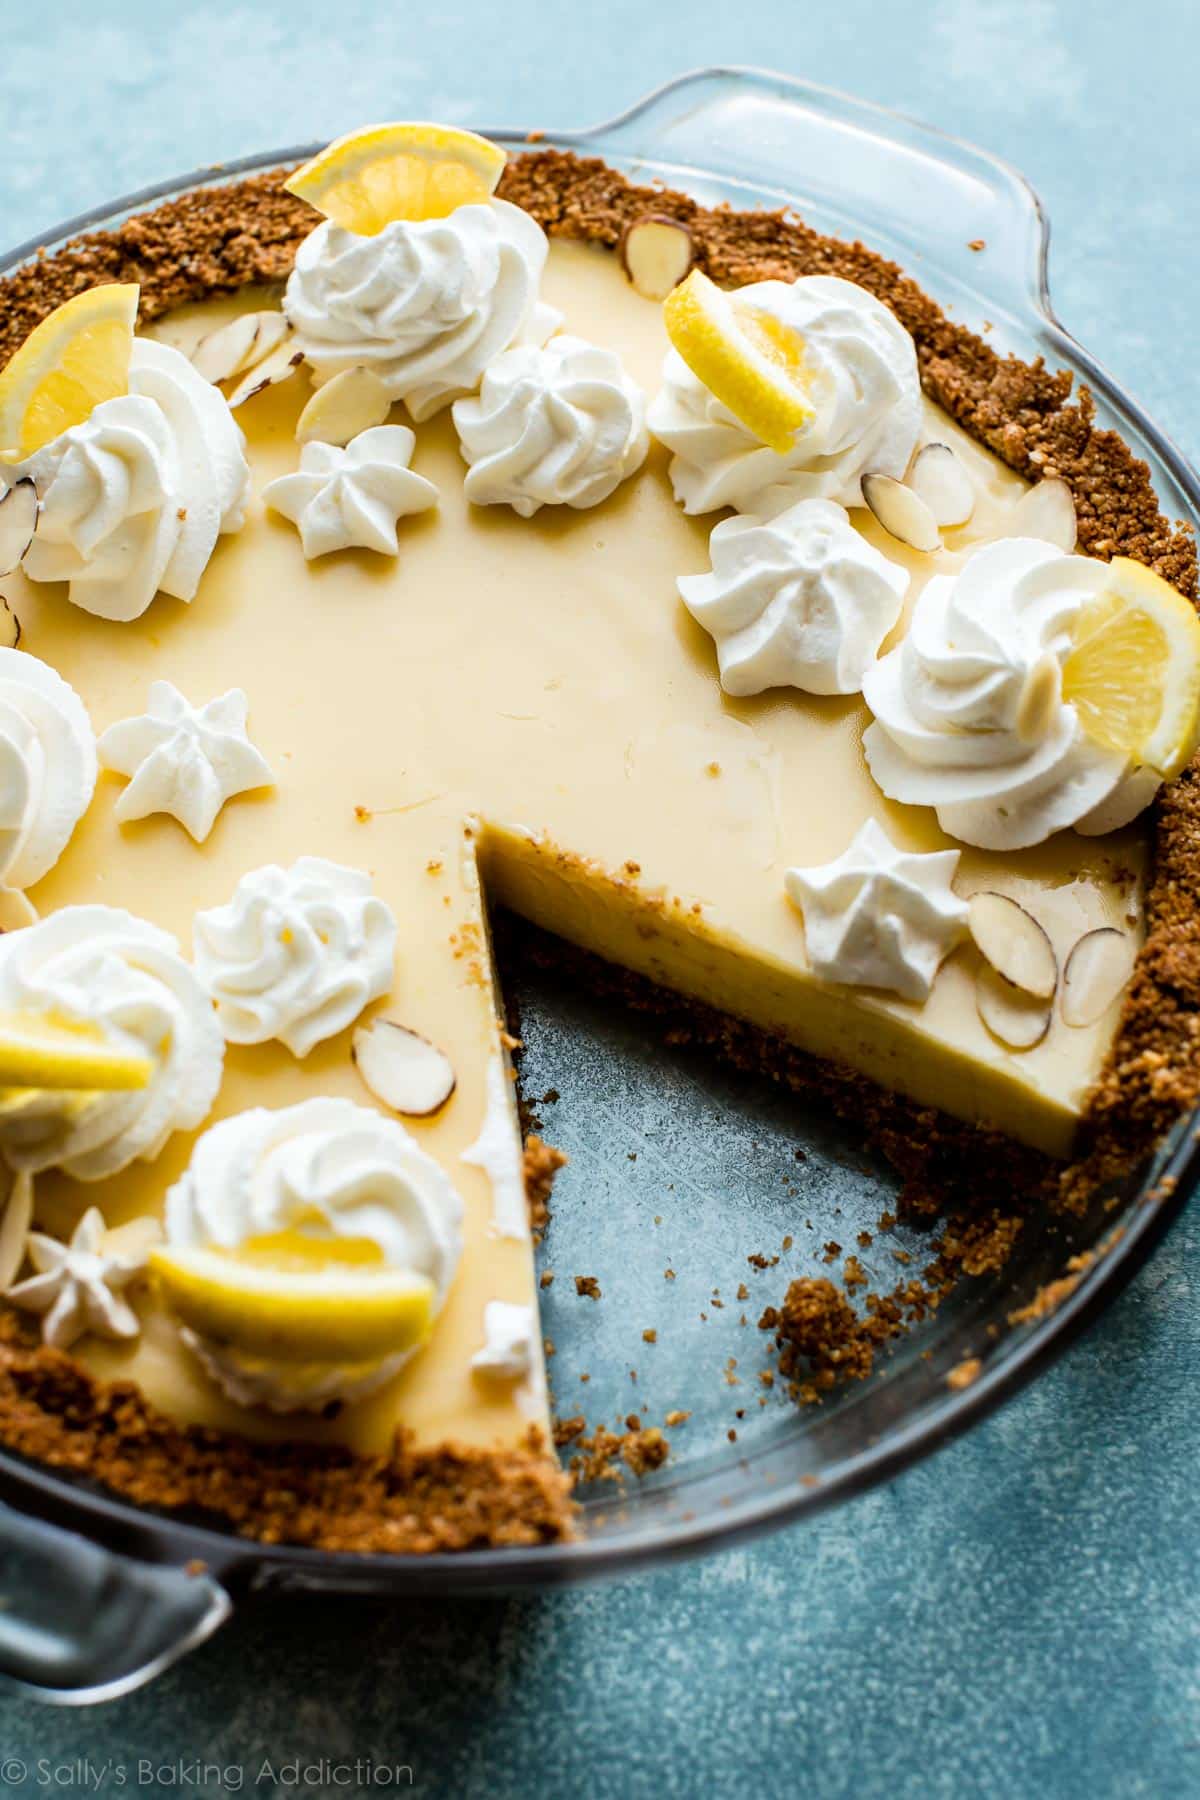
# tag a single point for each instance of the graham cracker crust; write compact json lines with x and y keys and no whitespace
{"x":221,"y":239}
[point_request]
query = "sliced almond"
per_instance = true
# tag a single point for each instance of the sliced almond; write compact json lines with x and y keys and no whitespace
{"x":239,"y":345}
{"x":903,"y":514}
{"x":1040,"y":699}
{"x":14,"y":1228}
{"x":18,"y":519}
{"x":1013,"y":942}
{"x":402,"y":1068}
{"x":1017,"y":1019}
{"x":351,"y":402}
{"x":939,"y":479}
{"x":16,"y":910}
{"x":10,"y":626}
{"x":1096,"y":971}
{"x":1046,"y":512}
{"x":656,"y":253}
{"x":282,"y":362}
{"x":133,"y":1239}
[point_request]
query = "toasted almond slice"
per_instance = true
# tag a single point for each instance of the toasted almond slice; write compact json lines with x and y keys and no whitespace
{"x":282,"y":362}
{"x":18,"y":518}
{"x":10,"y":626}
{"x":402,"y":1068}
{"x":656,"y":253}
{"x":1013,"y":942}
{"x":1047,"y":512}
{"x":238,"y":346}
{"x":14,"y":1227}
{"x":16,"y":910}
{"x":1017,"y":1019}
{"x":939,"y":479}
{"x":901,"y":512}
{"x":134,"y":1239}
{"x":1096,"y":971}
{"x":351,"y":402}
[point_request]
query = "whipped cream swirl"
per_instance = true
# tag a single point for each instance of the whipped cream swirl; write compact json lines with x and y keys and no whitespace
{"x":562,"y":425}
{"x":969,"y":713}
{"x":134,"y":499}
{"x":78,"y":1286}
{"x":325,"y":1170}
{"x":878,"y":916}
{"x":296,"y":954}
{"x":861,"y":370}
{"x":351,"y":498}
{"x":801,"y":600}
{"x":184,"y":760}
{"x":425,"y":305}
{"x":47,"y":766}
{"x":99,"y":964}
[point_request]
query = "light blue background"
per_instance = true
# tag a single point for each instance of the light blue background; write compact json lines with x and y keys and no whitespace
{"x":1019,"y":1615}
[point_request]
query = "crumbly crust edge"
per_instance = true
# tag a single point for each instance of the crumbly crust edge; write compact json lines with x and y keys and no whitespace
{"x":221,"y":239}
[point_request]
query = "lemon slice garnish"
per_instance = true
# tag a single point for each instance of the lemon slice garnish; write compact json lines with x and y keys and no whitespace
{"x":387,"y":172}
{"x":337,"y":1312}
{"x":67,"y":365}
{"x":1133,"y":674}
{"x":45,"y":1050}
{"x":746,"y":359}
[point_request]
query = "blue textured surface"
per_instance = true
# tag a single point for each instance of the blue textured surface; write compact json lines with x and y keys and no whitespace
{"x":1017,"y":1616}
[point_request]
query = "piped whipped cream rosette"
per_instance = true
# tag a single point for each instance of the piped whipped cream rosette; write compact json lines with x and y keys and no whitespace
{"x":879,"y":916}
{"x":559,"y":425}
{"x":851,"y":366}
{"x":47,"y":766}
{"x":134,"y":497}
{"x":343,"y":499}
{"x":801,"y":600}
{"x":308,"y":1252}
{"x":104,"y":968}
{"x":184,"y":760}
{"x":426,"y":305}
{"x":296,"y":954}
{"x":970,"y":712}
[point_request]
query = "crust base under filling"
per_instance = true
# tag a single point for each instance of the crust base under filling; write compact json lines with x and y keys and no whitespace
{"x":218,"y":240}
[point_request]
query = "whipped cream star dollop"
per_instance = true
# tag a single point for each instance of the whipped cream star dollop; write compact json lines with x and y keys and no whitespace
{"x":801,"y":600}
{"x":134,"y":499}
{"x":425,"y":305}
{"x":326,"y":1170}
{"x":879,"y":916}
{"x":860,"y":369}
{"x":78,"y":1286}
{"x":47,"y":766}
{"x":184,"y":760}
{"x":352,"y":498}
{"x":969,"y":713}
{"x":296,"y":954}
{"x":560,"y":425}
{"x":508,"y":1333}
{"x":99,"y":964}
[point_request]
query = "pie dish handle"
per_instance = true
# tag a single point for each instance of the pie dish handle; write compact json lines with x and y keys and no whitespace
{"x":935,"y":202}
{"x":80,"y":1623}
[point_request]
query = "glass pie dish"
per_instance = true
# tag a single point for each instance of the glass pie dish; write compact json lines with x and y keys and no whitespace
{"x":103,"y":1595}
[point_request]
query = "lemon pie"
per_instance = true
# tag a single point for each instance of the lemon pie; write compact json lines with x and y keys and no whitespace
{"x":450,"y":535}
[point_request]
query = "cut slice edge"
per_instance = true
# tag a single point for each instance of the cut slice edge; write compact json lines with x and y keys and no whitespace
{"x":336,"y":1313}
{"x":411,"y":170}
{"x":75,"y":359}
{"x":747,"y":359}
{"x":1133,"y":673}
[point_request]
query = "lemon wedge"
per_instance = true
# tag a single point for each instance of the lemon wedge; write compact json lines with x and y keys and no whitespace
{"x":387,"y":172}
{"x":1133,"y":673}
{"x":68,"y":364}
{"x":748,"y":360}
{"x":44,"y":1050}
{"x":337,"y":1313}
